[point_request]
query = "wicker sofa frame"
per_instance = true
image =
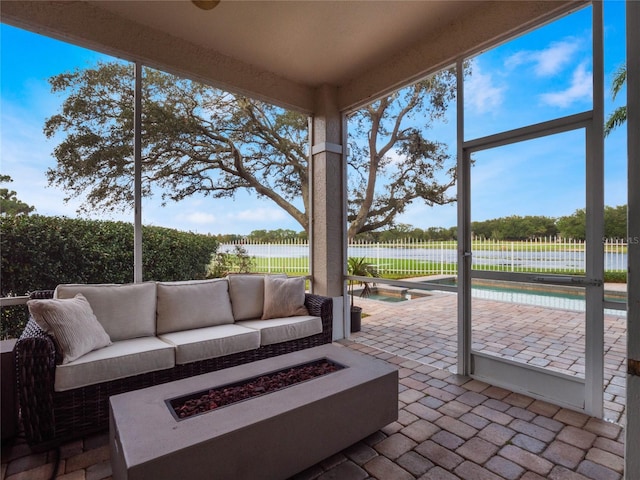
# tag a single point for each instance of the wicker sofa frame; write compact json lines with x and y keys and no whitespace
{"x":50,"y":418}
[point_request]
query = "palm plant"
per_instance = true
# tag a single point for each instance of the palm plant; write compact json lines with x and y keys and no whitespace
{"x":361,"y":268}
{"x":619,"y":115}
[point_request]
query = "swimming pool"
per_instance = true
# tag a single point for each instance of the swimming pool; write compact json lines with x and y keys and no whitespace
{"x":382,"y":297}
{"x":564,"y":301}
{"x":526,"y":294}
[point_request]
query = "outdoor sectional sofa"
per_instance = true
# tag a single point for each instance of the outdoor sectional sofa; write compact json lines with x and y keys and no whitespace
{"x":69,"y":363}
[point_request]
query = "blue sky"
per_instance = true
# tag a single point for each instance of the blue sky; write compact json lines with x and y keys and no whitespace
{"x":534,"y":78}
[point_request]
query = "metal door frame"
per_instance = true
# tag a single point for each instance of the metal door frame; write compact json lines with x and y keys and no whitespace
{"x":562,"y":389}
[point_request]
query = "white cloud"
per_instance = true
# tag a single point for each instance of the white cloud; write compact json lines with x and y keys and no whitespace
{"x":552,"y":59}
{"x":481,"y":92}
{"x":548,"y":61}
{"x":201,"y":218}
{"x":580,"y":89}
{"x":423,"y":216}
{"x":260,"y":215}
{"x":394,"y":158}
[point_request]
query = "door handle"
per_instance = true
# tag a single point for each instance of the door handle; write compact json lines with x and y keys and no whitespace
{"x":578,"y":281}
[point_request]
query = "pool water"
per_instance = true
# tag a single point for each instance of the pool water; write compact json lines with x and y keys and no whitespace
{"x":386,"y":298}
{"x":564,"y":301}
{"x":546,"y":298}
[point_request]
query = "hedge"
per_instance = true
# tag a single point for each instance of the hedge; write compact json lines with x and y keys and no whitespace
{"x":39,"y":252}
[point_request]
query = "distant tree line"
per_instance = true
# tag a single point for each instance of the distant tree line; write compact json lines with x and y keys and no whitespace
{"x":513,"y":227}
{"x":570,"y":226}
{"x":263,"y":236}
{"x":505,"y":228}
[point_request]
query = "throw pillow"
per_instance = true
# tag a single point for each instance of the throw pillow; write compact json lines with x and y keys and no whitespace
{"x":72,"y":324}
{"x":247,"y":296}
{"x":283,"y":297}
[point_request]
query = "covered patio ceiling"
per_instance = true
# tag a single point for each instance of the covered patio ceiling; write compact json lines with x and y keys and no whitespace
{"x":282,"y":51}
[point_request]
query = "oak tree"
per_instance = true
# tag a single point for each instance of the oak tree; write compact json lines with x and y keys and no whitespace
{"x":198,"y":139}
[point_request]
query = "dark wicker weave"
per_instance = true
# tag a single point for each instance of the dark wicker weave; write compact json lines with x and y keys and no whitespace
{"x":51,"y":417}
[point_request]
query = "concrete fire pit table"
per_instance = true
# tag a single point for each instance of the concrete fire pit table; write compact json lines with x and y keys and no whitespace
{"x":272,"y":436}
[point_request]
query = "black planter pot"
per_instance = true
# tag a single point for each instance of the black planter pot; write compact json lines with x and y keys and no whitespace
{"x":356,"y":318}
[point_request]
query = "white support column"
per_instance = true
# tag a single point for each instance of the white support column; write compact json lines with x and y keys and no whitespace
{"x":137,"y":180}
{"x":328,"y":198}
{"x":632,"y":433}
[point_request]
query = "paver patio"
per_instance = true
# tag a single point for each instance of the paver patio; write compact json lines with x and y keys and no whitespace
{"x":425,"y":329}
{"x":449,"y":426}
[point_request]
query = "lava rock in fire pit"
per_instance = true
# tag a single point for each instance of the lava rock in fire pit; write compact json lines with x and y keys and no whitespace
{"x":203,"y":402}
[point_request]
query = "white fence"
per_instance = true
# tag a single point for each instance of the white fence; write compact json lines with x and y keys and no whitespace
{"x":418,"y":258}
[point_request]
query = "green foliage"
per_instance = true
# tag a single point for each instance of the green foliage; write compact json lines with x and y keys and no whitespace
{"x":12,"y":321}
{"x":515,"y":228}
{"x":275,"y":236}
{"x":619,"y":115}
{"x":9,"y":203}
{"x":223,"y":263}
{"x":615,"y":221}
{"x":202,"y":140}
{"x":396,"y":127}
{"x":615,"y":277}
{"x":198,"y":139}
{"x":408,"y":232}
{"x":264,"y":236}
{"x":40,"y":252}
{"x":574,"y":226}
{"x":360,"y":267}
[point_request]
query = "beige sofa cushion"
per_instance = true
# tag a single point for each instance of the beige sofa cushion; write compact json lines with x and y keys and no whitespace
{"x":125,"y":311}
{"x":211,"y":342}
{"x":193,"y":304}
{"x":72,"y":324}
{"x":247,"y":295}
{"x":278,"y":330}
{"x":283,"y":297}
{"x":119,"y":360}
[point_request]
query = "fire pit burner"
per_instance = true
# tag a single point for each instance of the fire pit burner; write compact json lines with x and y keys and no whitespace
{"x":204,"y":401}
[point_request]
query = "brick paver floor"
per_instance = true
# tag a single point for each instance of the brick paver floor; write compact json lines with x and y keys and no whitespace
{"x":449,"y":427}
{"x":425,"y":330}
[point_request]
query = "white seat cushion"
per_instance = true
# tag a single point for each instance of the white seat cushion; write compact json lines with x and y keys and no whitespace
{"x":211,"y":342}
{"x":193,"y":304}
{"x":278,"y":330}
{"x":119,"y":360}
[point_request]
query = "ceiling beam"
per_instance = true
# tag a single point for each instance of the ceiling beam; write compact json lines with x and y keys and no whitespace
{"x":88,"y":26}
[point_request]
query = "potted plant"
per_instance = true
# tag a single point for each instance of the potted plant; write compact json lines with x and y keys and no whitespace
{"x":359,"y":267}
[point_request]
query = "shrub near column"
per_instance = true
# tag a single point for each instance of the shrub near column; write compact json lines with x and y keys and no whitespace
{"x":361,"y":268}
{"x":40,"y":252}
